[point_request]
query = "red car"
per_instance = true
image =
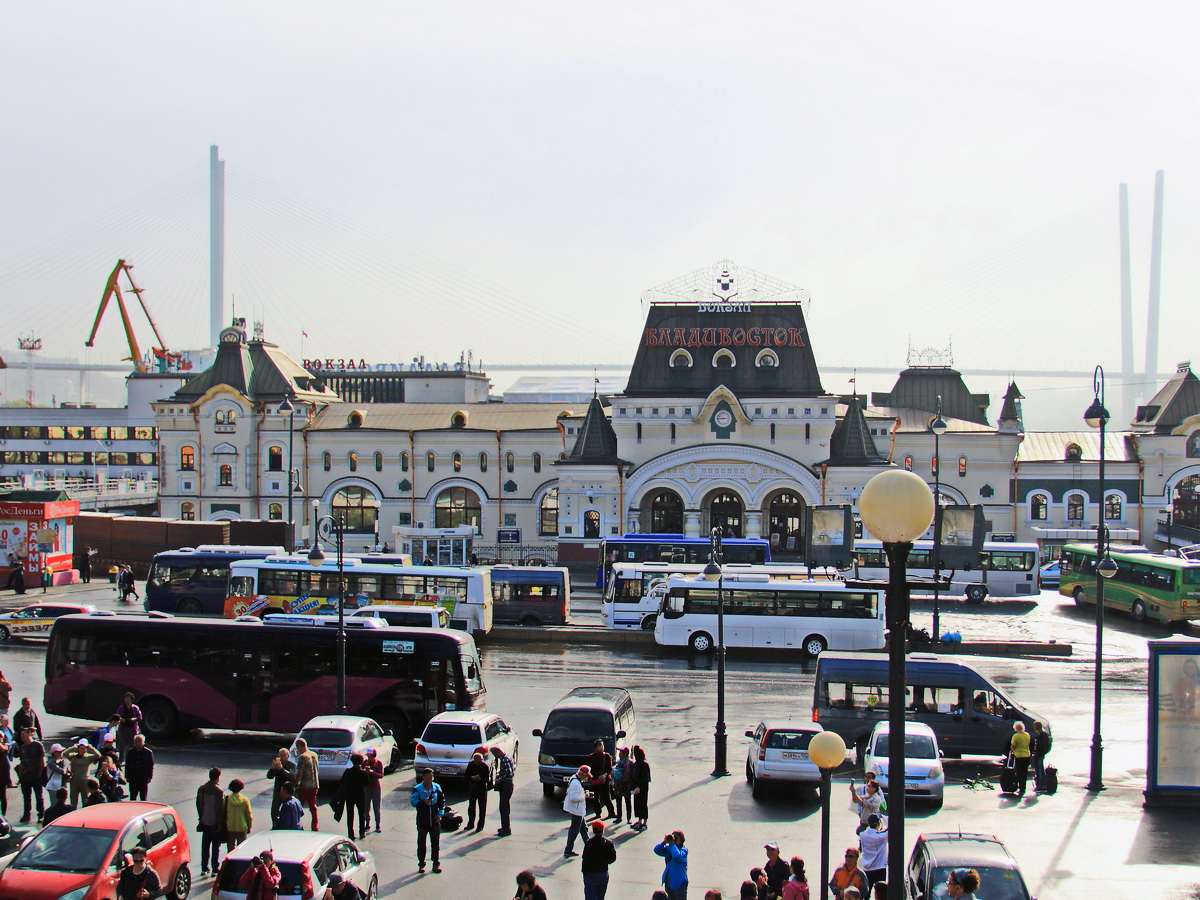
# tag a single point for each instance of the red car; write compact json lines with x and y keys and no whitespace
{"x":79,"y":856}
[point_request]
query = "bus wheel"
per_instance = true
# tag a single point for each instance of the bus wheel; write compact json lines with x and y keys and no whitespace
{"x":1138,"y":611}
{"x":648,"y":623}
{"x":814,"y":645}
{"x":531,"y":621}
{"x":701,"y":642}
{"x":976,"y":593}
{"x":189,"y":606}
{"x":182,"y":885}
{"x":1080,"y":597}
{"x":393,"y":720}
{"x":159,"y":718}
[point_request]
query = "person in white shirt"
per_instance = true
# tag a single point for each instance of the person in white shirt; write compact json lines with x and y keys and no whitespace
{"x":575,"y":805}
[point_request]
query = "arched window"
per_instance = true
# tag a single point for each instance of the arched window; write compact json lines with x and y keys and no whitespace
{"x":456,"y":506}
{"x":326,"y":460}
{"x":378,"y":461}
{"x":537,"y":462}
{"x":681,"y":359}
{"x":1074,"y":453}
{"x":548,"y":521}
{"x":666,"y":513}
{"x":772,"y":433}
{"x":187,"y":459}
{"x":219,"y":418}
{"x":724,"y":359}
{"x":274,"y":459}
{"x":483,"y":462}
{"x":1112,"y":507}
{"x":456,"y":461}
{"x":187,"y":512}
{"x":1039,"y":507}
{"x":962,"y":467}
{"x":225,"y":476}
{"x":591,"y":524}
{"x":673,"y":432}
{"x":908,"y":463}
{"x":358,"y":507}
{"x":639,"y":432}
{"x":510,"y":462}
{"x":231,"y":416}
{"x":766,"y":359}
{"x":352,"y":460}
{"x":725,"y":512}
{"x":275,"y":511}
{"x":1075,"y":508}
{"x":430,"y":461}
{"x":404,"y":462}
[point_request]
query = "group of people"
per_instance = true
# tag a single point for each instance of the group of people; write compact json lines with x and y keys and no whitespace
{"x":601,"y":781}
{"x":1025,"y":749}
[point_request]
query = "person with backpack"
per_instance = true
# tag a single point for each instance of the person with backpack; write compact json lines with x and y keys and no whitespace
{"x":622,"y":785}
{"x":1042,"y":742}
{"x":429,"y":800}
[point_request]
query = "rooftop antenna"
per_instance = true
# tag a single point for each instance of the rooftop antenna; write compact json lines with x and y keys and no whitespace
{"x":31,"y":344}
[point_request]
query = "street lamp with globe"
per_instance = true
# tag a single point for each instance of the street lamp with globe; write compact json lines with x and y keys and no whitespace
{"x":827,"y":751}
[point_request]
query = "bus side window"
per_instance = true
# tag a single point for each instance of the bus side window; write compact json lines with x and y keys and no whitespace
{"x":241,"y":585}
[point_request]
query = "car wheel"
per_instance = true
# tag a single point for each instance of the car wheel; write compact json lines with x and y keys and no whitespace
{"x":701,"y":642}
{"x":1138,"y":611}
{"x":393,"y":762}
{"x":547,"y":790}
{"x":749,"y":772}
{"x":814,"y":645}
{"x":189,"y":606}
{"x":648,"y":623}
{"x":160,"y":719}
{"x":976,"y":593}
{"x":756,"y":789}
{"x":373,"y":890}
{"x":5,"y":634}
{"x":181,"y":885}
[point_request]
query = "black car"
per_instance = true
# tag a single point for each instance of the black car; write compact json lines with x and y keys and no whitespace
{"x":935,"y":855}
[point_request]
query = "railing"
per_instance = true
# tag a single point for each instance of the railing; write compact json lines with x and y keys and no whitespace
{"x":92,"y":494}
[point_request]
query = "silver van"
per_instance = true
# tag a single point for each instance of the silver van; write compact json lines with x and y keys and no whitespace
{"x":970,"y":715}
{"x":577,"y":721}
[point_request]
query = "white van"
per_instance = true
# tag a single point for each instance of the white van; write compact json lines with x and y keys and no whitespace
{"x":406,"y":616}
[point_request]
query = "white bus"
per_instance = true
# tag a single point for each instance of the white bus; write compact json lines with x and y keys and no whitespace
{"x":290,"y":584}
{"x":1006,"y":569}
{"x":634,"y":590}
{"x":812,"y":616}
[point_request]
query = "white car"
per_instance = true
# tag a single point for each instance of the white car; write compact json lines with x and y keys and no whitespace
{"x":37,"y":619}
{"x":923,"y":772}
{"x":778,"y":752}
{"x":452,"y":738}
{"x":305,"y":860}
{"x":335,"y":738}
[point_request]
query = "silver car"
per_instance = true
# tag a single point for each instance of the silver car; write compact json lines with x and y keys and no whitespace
{"x":778,"y":751}
{"x":336,"y":738}
{"x":451,"y":738}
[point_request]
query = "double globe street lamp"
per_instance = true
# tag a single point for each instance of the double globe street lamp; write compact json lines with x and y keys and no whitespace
{"x":336,"y":526}
{"x":897,"y":507}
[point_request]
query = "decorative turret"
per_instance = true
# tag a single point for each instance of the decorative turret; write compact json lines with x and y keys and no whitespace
{"x":851,"y":443}
{"x":1010,"y":421}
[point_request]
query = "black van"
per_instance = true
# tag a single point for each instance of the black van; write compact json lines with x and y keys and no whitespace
{"x":577,"y":721}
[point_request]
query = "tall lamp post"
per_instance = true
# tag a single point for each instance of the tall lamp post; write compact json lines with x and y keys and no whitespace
{"x":1170,"y":511}
{"x":288,"y":407}
{"x":827,"y":750}
{"x":938,"y":427}
{"x":897,"y":507}
{"x":1097,"y":417}
{"x":316,"y":558}
{"x":713,"y":573}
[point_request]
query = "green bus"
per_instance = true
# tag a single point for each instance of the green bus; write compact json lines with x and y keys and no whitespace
{"x":1146,"y":585}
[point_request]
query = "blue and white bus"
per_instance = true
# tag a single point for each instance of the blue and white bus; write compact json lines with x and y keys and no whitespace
{"x":530,"y":595}
{"x":676,"y":548}
{"x":194,"y":581}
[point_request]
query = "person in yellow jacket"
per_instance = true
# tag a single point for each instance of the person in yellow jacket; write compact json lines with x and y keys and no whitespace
{"x":1019,"y":747}
{"x":239,"y":817}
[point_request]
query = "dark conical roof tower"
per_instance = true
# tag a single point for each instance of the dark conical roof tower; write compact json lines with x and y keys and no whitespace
{"x":597,"y":442}
{"x":1010,"y":413}
{"x":851,"y":443}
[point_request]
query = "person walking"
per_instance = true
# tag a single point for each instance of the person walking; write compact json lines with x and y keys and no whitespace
{"x":261,"y":879}
{"x":80,"y":759}
{"x":139,"y":768}
{"x":506,"y":773}
{"x":873,"y":848}
{"x":291,"y":812}
{"x":210,"y":818}
{"x":1040,"y":743}
{"x":598,"y":854}
{"x":282,"y":773}
{"x":622,"y":786}
{"x":675,"y":876}
{"x":528,"y":888}
{"x":354,"y":791}
{"x":479,"y":782}
{"x":848,"y":875}
{"x":5,"y":693}
{"x":131,"y":724}
{"x":777,"y":871}
{"x":429,"y":800}
{"x":8,"y":748}
{"x":239,"y":817}
{"x":85,"y":566}
{"x":575,"y":806}
{"x":31,"y":763}
{"x":1019,"y":746}
{"x":308,"y":781}
{"x":796,"y":887}
{"x":27,"y":717}
{"x":601,"y":764}
{"x":641,"y":788}
{"x":962,"y":884}
{"x":60,"y":808}
{"x":375,"y":769}
{"x":138,"y":880}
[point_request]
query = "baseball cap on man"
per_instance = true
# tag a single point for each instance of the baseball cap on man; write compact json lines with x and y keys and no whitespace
{"x":771,"y":846}
{"x":336,"y":878}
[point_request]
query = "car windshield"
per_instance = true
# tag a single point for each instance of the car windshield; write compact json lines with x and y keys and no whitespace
{"x":330,"y":738}
{"x":291,"y":881}
{"x":59,"y":848}
{"x":916,"y":746}
{"x":789,"y":740}
{"x":578,"y":725}
{"x":450,"y":733}
{"x":994,"y":883}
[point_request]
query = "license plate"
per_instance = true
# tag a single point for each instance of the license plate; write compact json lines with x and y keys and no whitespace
{"x":445,"y":770}
{"x":324,"y":756}
{"x":912,"y":786}
{"x":795,"y":754}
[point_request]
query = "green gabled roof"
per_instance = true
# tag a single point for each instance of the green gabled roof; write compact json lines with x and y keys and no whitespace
{"x":258,"y":370}
{"x":596,"y":442}
{"x":851,"y":443}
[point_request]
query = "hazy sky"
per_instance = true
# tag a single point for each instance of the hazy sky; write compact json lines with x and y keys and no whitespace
{"x":427,"y":178}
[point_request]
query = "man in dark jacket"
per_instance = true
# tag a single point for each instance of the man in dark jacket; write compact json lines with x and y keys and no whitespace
{"x":60,"y":808}
{"x":283,"y":773}
{"x":26,"y":717}
{"x":139,"y":768}
{"x":598,"y":854}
